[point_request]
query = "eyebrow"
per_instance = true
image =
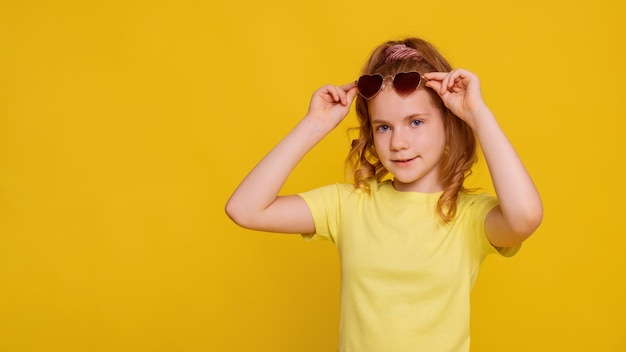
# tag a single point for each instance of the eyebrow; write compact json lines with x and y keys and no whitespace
{"x":407,"y":117}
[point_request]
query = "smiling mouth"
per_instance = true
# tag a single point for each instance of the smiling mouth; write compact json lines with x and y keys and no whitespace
{"x":403,"y":161}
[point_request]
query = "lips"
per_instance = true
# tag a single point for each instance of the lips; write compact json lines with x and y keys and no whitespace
{"x":403,"y":161}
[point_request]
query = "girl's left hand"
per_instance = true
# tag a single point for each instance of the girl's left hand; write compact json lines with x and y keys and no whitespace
{"x":460,"y":92}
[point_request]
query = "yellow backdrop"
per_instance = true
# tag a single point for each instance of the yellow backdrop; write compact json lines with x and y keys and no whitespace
{"x":125,"y":126}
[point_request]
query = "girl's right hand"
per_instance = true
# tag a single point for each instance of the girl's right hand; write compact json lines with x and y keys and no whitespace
{"x":256,"y":203}
{"x":330,"y":104}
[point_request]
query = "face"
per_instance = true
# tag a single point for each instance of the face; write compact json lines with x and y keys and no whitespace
{"x":409,"y":138}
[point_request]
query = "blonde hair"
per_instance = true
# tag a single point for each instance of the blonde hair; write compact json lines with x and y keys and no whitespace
{"x":460,"y":150}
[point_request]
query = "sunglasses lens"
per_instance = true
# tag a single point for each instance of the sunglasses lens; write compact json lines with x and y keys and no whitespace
{"x":369,"y":85}
{"x":406,"y":82}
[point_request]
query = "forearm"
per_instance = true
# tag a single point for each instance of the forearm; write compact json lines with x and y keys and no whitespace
{"x":520,"y":211}
{"x":519,"y":199}
{"x":260,"y":188}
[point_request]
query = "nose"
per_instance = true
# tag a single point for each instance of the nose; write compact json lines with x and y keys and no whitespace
{"x":399,"y":140}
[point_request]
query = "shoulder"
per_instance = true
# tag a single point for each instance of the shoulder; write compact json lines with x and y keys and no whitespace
{"x":472,"y":212}
{"x":341,"y":192}
{"x":476,"y":201}
{"x":331,"y":193}
{"x":472,"y":208}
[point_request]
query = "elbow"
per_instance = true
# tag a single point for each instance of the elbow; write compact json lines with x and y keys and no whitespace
{"x":534,"y":219}
{"x":527,"y":224}
{"x":515,"y":227}
{"x":235,"y":213}
{"x":243,"y":215}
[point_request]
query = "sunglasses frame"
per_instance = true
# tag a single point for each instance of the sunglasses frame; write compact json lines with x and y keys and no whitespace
{"x":393,"y":83}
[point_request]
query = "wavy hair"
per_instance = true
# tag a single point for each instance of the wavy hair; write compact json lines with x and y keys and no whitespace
{"x":460,"y":149}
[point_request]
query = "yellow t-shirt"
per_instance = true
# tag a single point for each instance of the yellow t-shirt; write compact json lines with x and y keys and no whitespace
{"x":405,"y":276}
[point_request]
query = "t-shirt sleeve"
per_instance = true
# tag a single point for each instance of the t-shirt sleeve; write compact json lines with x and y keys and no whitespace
{"x":324,"y":204}
{"x":481,"y":206}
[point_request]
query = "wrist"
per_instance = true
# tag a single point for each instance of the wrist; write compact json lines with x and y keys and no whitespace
{"x":478,"y":115}
{"x":317,"y":124}
{"x":313,"y":128}
{"x":484,"y":124}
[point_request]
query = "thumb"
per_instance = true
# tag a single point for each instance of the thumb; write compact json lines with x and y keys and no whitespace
{"x":352,"y":93}
{"x":434,"y":85}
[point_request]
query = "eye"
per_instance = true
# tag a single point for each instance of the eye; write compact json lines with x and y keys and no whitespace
{"x":382,"y":128}
{"x":416,"y":123}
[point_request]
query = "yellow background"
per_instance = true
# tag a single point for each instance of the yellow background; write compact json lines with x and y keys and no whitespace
{"x":125,"y":126}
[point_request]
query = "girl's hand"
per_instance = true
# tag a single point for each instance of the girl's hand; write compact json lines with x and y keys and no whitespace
{"x":460,"y":92}
{"x":330,"y":104}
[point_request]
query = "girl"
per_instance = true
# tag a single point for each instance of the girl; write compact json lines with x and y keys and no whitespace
{"x":410,"y":236}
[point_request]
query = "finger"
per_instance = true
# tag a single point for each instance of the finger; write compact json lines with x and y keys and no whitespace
{"x":346,"y":87}
{"x":437,"y":81}
{"x":453,"y":80}
{"x":333,"y":92}
{"x":338,"y":94}
{"x":445,"y":82}
{"x":343,"y":99}
{"x":457,"y":77}
{"x":347,"y":92}
{"x":435,"y":76}
{"x":352,"y":93}
{"x":433,"y":84}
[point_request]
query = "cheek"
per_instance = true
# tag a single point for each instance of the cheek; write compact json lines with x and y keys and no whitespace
{"x":440,"y":142}
{"x":435,"y":141}
{"x":439,"y":134}
{"x":378,"y":140}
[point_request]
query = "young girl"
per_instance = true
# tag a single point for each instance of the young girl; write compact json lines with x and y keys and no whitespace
{"x":410,"y":245}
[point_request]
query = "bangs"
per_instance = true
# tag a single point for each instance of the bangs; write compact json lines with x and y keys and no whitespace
{"x":391,"y":68}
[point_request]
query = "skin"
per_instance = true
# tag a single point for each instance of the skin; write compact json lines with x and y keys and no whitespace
{"x":255,"y":204}
{"x":409,"y":138}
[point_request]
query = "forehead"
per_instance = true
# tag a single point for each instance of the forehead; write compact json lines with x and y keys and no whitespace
{"x":389,"y":105}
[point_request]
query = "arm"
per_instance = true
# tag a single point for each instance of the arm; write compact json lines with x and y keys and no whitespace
{"x":255,"y":204}
{"x":520,"y":211}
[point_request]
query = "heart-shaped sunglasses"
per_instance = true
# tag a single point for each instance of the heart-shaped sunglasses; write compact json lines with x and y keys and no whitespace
{"x":404,"y":83}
